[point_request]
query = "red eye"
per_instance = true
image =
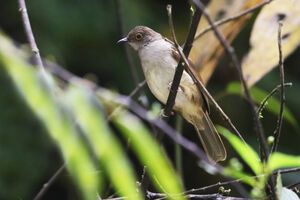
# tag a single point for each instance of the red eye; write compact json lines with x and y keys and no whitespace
{"x":138,"y":36}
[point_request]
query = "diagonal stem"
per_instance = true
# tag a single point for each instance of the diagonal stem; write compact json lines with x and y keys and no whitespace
{"x":29,"y":34}
{"x":277,"y":131}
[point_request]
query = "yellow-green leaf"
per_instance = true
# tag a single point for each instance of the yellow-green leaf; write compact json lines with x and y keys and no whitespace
{"x":280,"y":160}
{"x":150,"y":154}
{"x":87,"y":110}
{"x":244,"y":150}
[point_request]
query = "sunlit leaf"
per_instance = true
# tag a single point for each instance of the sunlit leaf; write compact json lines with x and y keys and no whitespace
{"x":258,"y":95}
{"x":150,"y":153}
{"x":263,"y":55}
{"x":39,"y":94}
{"x":244,"y":150}
{"x":207,"y":50}
{"x":280,"y":160}
{"x":89,"y":116}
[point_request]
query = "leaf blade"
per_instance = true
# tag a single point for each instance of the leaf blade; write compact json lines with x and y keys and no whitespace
{"x":244,"y":150}
{"x":150,"y":154}
{"x":108,"y":150}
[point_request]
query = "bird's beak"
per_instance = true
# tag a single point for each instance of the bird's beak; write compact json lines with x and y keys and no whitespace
{"x":122,"y":40}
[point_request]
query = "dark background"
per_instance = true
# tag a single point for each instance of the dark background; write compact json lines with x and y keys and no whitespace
{"x":81,"y":35}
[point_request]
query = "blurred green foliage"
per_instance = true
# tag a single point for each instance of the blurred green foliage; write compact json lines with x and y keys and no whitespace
{"x":80,"y":130}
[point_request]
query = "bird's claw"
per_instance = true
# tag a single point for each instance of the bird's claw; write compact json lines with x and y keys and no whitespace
{"x":170,"y":85}
{"x":163,"y":115}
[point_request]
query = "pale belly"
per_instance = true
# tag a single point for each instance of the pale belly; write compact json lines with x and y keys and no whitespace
{"x":158,"y":80}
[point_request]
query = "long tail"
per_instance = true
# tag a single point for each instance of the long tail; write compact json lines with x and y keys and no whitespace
{"x":210,"y":138}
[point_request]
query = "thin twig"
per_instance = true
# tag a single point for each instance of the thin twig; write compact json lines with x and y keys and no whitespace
{"x":179,"y":69}
{"x":29,"y":34}
{"x":117,"y":198}
{"x":195,"y":78}
{"x":49,"y":183}
{"x":276,"y":89}
{"x":160,"y":196}
{"x":178,"y":150}
{"x":282,"y":171}
{"x":277,"y":131}
{"x":226,"y":20}
{"x":230,"y":50}
{"x":293,"y":185}
{"x":219,"y":184}
{"x":286,"y":171}
{"x":132,"y":94}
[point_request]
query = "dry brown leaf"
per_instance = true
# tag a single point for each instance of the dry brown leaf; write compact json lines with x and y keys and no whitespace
{"x":207,"y":49}
{"x":263,"y":55}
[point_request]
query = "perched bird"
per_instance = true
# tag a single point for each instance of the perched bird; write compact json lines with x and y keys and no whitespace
{"x":159,"y":59}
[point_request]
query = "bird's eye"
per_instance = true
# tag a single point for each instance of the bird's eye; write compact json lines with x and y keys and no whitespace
{"x":138,"y":36}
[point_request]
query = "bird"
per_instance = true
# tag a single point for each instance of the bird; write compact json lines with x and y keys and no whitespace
{"x":159,"y":58}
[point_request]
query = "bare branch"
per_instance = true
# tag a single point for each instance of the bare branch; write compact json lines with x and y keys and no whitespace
{"x":49,"y":183}
{"x":160,"y":196}
{"x":277,"y":131}
{"x":260,"y":133}
{"x":132,"y":94}
{"x":293,"y":185}
{"x":226,"y":20}
{"x":276,"y":89}
{"x":29,"y":34}
{"x":117,"y":198}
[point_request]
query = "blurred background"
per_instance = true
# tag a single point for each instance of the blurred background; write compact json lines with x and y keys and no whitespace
{"x":81,"y":36}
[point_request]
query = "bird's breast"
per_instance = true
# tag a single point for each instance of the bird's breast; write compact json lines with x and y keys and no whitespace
{"x":158,"y":78}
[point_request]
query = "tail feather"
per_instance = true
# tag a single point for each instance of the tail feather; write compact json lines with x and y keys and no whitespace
{"x":210,"y":138}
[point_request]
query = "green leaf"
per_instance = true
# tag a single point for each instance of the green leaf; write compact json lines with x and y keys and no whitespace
{"x":38,"y":91}
{"x":258,"y":95}
{"x":280,"y":160}
{"x":108,"y":150}
{"x":150,"y":154}
{"x":244,"y":150}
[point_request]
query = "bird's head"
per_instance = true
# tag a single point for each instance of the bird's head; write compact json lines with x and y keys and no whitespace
{"x":140,"y":36}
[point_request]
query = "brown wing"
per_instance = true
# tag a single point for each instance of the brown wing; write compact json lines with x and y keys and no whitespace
{"x":186,"y":87}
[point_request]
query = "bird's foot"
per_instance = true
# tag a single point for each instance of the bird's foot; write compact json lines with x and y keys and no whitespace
{"x":170,"y":85}
{"x":163,"y":115}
